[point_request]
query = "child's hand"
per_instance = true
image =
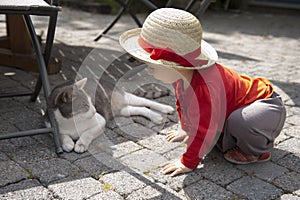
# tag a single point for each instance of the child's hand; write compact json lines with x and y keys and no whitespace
{"x":176,"y":167}
{"x":176,"y":135}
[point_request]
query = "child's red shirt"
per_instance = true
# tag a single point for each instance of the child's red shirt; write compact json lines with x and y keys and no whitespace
{"x":214,"y":93}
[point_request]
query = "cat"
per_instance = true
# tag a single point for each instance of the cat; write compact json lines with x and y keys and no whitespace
{"x":81,"y":120}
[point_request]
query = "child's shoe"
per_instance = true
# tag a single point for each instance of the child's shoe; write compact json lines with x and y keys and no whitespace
{"x":237,"y":156}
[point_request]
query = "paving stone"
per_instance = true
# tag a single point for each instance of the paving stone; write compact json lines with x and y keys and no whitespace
{"x":25,"y":142}
{"x":24,"y":155}
{"x":205,"y":189}
{"x":169,"y":99}
{"x":82,"y":188}
{"x":73,"y":156}
{"x":220,"y":171}
{"x":106,"y":194}
{"x":291,"y":161}
{"x":37,"y":106}
{"x":3,"y":157}
{"x":158,"y":127}
{"x":19,"y":150}
{"x":289,"y":197}
{"x":134,"y":132}
{"x":293,"y":120}
{"x":297,"y":192}
{"x":145,"y":193}
{"x":91,"y":165}
{"x":109,"y":161}
{"x":266,"y":171}
{"x":120,"y":121}
{"x":6,"y":127}
{"x":143,"y":160}
{"x":11,"y":172}
{"x":178,"y":182}
{"x":108,"y":139}
{"x":292,"y":110}
{"x":175,"y":153}
{"x":27,"y":189}
{"x":282,"y":137}
{"x":173,"y":118}
{"x":122,"y":182}
{"x":170,"y":128}
{"x":146,"y":122}
{"x":46,"y":139}
{"x":291,"y":145}
{"x":25,"y":119}
{"x":289,"y":181}
{"x":101,"y":144}
{"x":7,"y":105}
{"x":125,"y":148}
{"x":293,"y":131}
{"x":51,"y":170}
{"x":158,"y":144}
{"x":6,"y":146}
{"x":254,"y":188}
{"x":24,"y":78}
{"x":114,"y":137}
{"x":157,"y":191}
{"x":277,"y":154}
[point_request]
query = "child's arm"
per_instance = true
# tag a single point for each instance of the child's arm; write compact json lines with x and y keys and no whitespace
{"x":206,"y":116}
{"x":207,"y":120}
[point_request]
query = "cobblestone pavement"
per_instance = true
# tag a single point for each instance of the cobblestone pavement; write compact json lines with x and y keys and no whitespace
{"x":124,"y":162}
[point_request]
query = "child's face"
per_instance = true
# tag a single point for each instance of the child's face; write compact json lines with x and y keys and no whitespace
{"x":164,"y":74}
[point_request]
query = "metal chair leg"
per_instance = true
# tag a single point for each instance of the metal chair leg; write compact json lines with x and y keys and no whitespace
{"x":131,"y":13}
{"x":190,"y":5}
{"x":44,"y":77}
{"x":203,"y":7}
{"x":125,"y":7}
{"x":149,"y":4}
{"x":47,"y":53}
{"x":120,"y":13}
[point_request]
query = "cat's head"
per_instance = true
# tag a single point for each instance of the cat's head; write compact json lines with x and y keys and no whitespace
{"x":70,"y":98}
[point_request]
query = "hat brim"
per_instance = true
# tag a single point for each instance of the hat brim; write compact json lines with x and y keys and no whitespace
{"x":129,"y":42}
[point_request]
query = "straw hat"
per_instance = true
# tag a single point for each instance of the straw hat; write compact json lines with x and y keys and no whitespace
{"x":170,"y":37}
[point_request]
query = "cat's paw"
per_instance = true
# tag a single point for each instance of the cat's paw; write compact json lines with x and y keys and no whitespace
{"x":67,"y":142}
{"x":68,"y":146}
{"x":167,"y":109}
{"x":157,"y":119}
{"x":80,"y":148}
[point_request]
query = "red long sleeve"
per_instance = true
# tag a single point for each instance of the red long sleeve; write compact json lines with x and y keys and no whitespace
{"x":204,"y":106}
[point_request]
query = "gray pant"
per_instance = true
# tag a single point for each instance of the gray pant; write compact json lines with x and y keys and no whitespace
{"x":254,"y":127}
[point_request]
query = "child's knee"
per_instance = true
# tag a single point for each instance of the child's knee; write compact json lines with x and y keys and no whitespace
{"x":236,"y":124}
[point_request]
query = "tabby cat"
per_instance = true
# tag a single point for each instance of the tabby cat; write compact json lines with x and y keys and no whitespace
{"x":80,"y":120}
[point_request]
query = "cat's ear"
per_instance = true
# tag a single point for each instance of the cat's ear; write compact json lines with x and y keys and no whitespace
{"x":64,"y":95}
{"x":81,"y":83}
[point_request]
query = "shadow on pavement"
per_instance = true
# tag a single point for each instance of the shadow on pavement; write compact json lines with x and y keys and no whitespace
{"x":291,"y":90}
{"x":219,"y":179}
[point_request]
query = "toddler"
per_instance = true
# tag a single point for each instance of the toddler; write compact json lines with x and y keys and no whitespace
{"x":242,"y":115}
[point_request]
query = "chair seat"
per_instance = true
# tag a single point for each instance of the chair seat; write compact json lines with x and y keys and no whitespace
{"x":26,"y":5}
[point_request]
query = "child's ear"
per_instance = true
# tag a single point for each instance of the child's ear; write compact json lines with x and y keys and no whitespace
{"x":81,"y":83}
